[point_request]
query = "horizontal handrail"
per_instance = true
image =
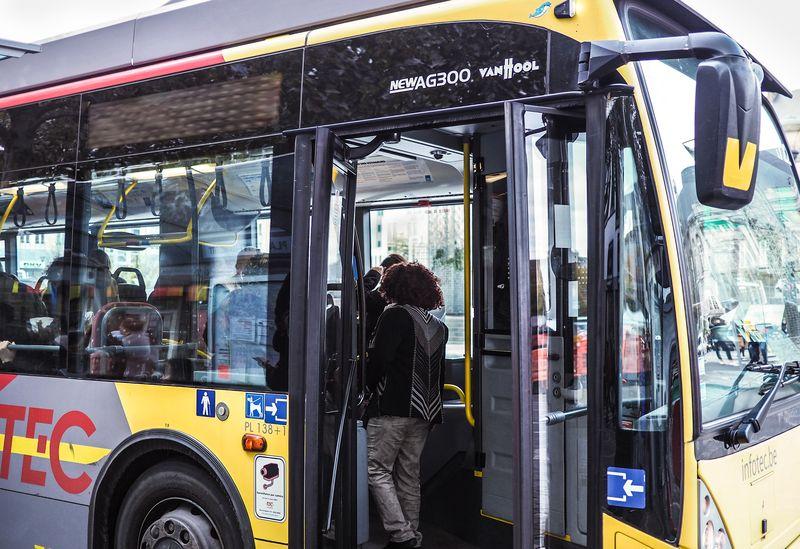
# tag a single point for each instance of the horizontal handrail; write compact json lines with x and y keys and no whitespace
{"x":554,"y":418}
{"x":41,"y":348}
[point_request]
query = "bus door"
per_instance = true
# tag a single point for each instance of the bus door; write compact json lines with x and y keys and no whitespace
{"x":549,"y":373}
{"x":335,"y":495}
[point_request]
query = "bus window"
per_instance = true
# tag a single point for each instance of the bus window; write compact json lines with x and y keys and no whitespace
{"x":434,"y":236}
{"x":198,"y":251}
{"x":643,"y":381}
{"x":35,"y":297}
{"x":742,"y":270}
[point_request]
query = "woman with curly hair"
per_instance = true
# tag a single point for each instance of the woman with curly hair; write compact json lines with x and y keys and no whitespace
{"x":407,"y":374}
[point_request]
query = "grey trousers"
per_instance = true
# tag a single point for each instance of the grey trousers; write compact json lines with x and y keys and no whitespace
{"x":394,"y":448}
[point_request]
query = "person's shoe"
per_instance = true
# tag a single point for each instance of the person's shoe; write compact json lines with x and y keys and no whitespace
{"x":408,"y":544}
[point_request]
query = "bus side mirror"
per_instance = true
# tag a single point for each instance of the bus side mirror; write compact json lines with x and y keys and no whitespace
{"x":727,"y":126}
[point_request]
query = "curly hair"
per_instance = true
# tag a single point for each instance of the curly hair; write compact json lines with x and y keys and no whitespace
{"x":412,"y":284}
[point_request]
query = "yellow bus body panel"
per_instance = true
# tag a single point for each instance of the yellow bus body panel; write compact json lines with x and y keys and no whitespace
{"x":617,"y":534}
{"x":758,"y":483}
{"x":174,"y":408}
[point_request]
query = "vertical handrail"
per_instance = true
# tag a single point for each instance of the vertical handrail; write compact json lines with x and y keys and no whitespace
{"x":337,"y":452}
{"x":467,"y":289}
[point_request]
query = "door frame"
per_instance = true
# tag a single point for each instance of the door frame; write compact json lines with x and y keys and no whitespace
{"x":309,"y":257}
{"x":597,"y":336}
{"x":521,"y":398}
{"x":522,"y":402}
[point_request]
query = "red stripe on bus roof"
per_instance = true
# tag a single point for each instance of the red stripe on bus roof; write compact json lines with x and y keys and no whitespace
{"x":114,"y":79}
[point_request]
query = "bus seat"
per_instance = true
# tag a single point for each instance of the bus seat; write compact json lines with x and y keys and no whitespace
{"x":180,"y":302}
{"x":125,"y":342}
{"x":19,"y":304}
{"x":128,"y":291}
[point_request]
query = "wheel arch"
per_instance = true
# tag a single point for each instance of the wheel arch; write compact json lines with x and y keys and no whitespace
{"x":135,"y":455}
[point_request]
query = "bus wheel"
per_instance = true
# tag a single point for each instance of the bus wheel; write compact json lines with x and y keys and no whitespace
{"x":176,"y":505}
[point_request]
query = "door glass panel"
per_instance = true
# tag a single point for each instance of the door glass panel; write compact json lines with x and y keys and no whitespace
{"x":335,"y":462}
{"x":557,"y":258}
{"x":433,"y":236}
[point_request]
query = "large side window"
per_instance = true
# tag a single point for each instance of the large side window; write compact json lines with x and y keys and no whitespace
{"x":194,"y":254}
{"x":37,"y":304}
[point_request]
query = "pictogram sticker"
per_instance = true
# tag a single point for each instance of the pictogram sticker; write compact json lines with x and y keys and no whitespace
{"x":270,"y":488}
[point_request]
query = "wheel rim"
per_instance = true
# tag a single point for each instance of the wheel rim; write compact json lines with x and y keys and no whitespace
{"x":177,"y":523}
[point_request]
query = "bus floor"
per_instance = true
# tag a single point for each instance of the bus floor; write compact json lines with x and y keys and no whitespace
{"x":451,"y":513}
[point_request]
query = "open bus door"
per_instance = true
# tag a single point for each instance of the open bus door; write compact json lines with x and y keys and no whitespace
{"x":334,"y":483}
{"x":553,"y":258}
{"x":552,"y":264}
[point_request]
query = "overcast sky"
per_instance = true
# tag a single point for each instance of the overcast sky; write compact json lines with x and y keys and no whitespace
{"x":769,"y":29}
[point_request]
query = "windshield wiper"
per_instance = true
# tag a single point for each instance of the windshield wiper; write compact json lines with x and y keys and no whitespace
{"x":754,"y":420}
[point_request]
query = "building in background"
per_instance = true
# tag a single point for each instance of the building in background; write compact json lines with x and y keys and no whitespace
{"x":788,"y":110}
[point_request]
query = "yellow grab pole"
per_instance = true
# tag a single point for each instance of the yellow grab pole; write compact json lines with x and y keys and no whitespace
{"x":7,"y":212}
{"x":467,"y":289}
{"x":456,"y":389}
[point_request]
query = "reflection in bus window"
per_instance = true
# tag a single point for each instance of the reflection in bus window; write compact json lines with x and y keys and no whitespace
{"x":198,"y":252}
{"x":35,"y":299}
{"x":35,"y":252}
{"x":643,"y":379}
{"x":743,"y":289}
{"x":434,"y":236}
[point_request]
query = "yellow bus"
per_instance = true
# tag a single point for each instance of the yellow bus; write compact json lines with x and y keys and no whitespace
{"x":189,"y":210}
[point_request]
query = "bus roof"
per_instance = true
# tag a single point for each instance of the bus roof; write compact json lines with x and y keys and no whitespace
{"x":176,"y":29}
{"x":181,"y":29}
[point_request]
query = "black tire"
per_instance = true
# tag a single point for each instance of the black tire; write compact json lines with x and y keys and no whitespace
{"x":175,"y":480}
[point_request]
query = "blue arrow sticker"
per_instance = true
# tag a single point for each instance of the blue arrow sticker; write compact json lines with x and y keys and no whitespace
{"x":276,"y":408}
{"x":626,"y":487}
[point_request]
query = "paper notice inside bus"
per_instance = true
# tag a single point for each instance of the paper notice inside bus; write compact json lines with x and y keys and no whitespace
{"x":270,"y":488}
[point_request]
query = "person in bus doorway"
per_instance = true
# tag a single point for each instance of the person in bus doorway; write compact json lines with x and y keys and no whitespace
{"x":406,"y":372}
{"x":375,"y":301}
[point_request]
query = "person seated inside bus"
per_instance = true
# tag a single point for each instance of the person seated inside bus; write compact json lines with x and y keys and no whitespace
{"x":125,"y":341}
{"x":375,"y":301}
{"x":23,"y":318}
{"x":64,"y":306}
{"x":243,"y":260}
{"x":106,"y":286}
{"x":406,"y":375}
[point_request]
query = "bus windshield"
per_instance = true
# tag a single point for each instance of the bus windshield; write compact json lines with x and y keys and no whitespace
{"x":742,"y":273}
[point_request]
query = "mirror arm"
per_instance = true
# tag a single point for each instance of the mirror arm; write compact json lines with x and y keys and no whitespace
{"x":601,"y":58}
